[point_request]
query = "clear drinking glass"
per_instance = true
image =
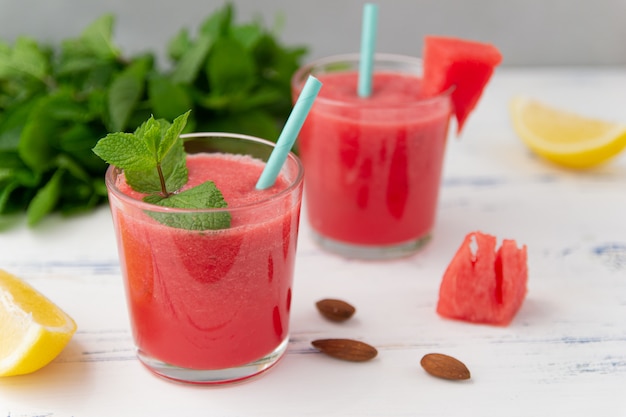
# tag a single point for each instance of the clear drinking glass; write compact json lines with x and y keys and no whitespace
{"x":212,"y":306}
{"x":373,"y":164}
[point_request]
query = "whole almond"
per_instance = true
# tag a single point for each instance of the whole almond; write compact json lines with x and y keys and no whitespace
{"x":346,"y":349}
{"x":444,"y":366}
{"x":335,"y":310}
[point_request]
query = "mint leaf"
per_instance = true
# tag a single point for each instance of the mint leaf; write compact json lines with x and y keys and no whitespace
{"x":35,"y":147}
{"x":230,"y":67}
{"x":248,"y":34}
{"x":97,"y":37}
{"x":167,"y":98}
{"x":171,"y":138}
{"x":219,"y":23}
{"x":150,"y":133}
{"x":191,"y":61}
{"x":45,"y":199}
{"x":177,"y":46}
{"x":125,"y":151}
{"x":125,"y":92}
{"x":155,"y":145}
{"x":26,"y":58}
{"x":205,"y":195}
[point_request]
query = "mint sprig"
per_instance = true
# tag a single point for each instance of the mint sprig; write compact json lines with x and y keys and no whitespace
{"x":153,"y":157}
{"x":154,"y":163}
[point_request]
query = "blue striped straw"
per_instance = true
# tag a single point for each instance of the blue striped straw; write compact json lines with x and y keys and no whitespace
{"x":368,"y":46}
{"x":289,"y":133}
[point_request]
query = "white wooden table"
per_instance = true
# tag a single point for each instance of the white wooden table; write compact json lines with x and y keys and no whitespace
{"x":564,"y":354}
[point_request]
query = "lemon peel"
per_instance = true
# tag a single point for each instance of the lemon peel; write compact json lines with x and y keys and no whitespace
{"x":564,"y":137}
{"x":34,"y":330}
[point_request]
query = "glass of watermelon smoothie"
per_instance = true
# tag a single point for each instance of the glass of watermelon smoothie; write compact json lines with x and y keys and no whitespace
{"x":373,"y":164}
{"x":211,"y":306}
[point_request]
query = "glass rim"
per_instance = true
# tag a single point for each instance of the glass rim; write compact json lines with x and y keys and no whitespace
{"x":112,"y":172}
{"x":299,"y":77}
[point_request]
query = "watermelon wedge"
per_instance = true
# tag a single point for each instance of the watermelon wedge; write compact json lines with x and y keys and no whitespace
{"x":464,"y":65}
{"x":482,"y":284}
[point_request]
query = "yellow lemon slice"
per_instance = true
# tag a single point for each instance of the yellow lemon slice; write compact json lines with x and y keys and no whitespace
{"x":563,"y":137}
{"x":33,"y":330}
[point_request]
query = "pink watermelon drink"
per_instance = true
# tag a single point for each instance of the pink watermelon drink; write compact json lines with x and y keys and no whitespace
{"x":373,"y":164}
{"x":211,"y":306}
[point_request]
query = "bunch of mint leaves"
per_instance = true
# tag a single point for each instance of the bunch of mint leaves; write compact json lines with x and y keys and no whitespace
{"x":57,"y":101}
{"x":154,"y":163}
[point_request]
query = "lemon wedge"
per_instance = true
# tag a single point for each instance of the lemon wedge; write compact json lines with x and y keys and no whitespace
{"x":563,"y":137}
{"x":33,"y":330}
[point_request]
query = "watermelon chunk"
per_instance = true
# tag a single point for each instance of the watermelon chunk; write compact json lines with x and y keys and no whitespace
{"x":482,"y":284}
{"x":464,"y":65}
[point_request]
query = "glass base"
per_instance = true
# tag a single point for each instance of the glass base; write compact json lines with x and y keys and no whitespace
{"x":214,"y":376}
{"x":371,"y":252}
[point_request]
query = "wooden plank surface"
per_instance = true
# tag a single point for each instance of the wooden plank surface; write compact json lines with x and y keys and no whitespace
{"x":564,"y":354}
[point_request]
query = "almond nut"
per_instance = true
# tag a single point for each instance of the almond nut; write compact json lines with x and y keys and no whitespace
{"x":335,"y":310}
{"x":444,"y":366}
{"x":346,"y":349}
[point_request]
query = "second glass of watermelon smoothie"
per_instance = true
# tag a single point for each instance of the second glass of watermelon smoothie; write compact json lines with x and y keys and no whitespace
{"x":211,"y":306}
{"x":373,"y":164}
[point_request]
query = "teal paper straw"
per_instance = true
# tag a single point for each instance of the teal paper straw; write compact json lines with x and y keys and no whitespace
{"x":368,"y":46}
{"x":289,"y":133}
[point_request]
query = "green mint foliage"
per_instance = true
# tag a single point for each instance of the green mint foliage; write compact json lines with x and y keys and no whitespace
{"x":205,"y":195}
{"x":153,"y":158}
{"x":126,"y":92}
{"x":56,"y":101}
{"x":154,"y":163}
{"x":239,"y":75}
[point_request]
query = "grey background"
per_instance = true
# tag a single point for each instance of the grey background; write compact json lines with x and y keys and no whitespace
{"x":528,"y":32}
